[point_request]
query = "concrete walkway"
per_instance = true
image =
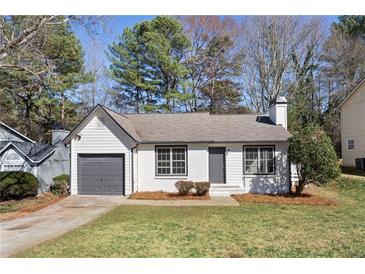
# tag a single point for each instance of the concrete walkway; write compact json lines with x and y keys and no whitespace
{"x":72,"y":212}
{"x":54,"y":220}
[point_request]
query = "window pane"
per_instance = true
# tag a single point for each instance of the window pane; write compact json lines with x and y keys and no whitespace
{"x":251,"y":160}
{"x":350,"y":144}
{"x":251,"y":166}
{"x":251,"y":153}
{"x":163,"y":171}
{"x":270,"y":165}
{"x":178,"y":160}
{"x":266,"y":160}
{"x":178,"y":154}
{"x":163,"y":161}
{"x":178,"y":167}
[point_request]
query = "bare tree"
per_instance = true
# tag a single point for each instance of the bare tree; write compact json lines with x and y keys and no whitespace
{"x":269,"y":44}
{"x":205,"y":66}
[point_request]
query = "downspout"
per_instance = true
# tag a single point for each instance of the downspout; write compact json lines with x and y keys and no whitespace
{"x":132,"y":167}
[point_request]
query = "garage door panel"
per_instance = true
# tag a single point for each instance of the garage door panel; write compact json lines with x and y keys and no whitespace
{"x":101,"y":174}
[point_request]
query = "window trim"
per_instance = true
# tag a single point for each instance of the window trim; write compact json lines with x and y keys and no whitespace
{"x":171,"y":174}
{"x":347,"y":144}
{"x":258,"y":146}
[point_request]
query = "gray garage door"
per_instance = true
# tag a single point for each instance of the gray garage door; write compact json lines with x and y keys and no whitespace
{"x":101,"y":174}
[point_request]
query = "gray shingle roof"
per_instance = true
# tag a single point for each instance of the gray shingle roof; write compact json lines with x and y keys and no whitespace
{"x":200,"y":127}
{"x":35,"y":152}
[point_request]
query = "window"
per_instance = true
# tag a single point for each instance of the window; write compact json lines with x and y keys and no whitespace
{"x":258,"y":160}
{"x":12,"y":162}
{"x":171,"y":161}
{"x":350,"y":144}
{"x":13,"y":156}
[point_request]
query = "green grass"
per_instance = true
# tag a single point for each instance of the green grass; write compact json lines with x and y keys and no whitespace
{"x":251,"y":230}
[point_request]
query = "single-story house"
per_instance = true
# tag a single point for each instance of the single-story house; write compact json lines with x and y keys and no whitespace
{"x":45,"y":161}
{"x":353,"y":128}
{"x":118,"y":154}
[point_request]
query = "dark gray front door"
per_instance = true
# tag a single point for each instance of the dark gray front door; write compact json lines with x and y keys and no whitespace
{"x":217,"y":165}
{"x":101,"y":174}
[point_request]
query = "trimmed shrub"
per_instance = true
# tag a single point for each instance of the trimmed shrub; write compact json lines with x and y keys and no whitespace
{"x":60,"y":186}
{"x":17,"y":185}
{"x":184,"y":187}
{"x":201,"y":188}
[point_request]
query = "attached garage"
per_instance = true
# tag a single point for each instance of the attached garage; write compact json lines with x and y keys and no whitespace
{"x":101,"y":174}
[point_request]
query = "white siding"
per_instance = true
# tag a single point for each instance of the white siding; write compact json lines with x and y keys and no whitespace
{"x":96,"y":140}
{"x":147,"y":179}
{"x":353,"y":126}
{"x":198,"y":169}
{"x":277,"y":183}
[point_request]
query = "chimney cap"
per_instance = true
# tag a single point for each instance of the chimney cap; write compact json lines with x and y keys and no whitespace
{"x":281,"y":100}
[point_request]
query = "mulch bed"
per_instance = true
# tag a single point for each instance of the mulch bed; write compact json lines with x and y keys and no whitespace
{"x":28,"y":205}
{"x":160,"y":195}
{"x":304,"y":199}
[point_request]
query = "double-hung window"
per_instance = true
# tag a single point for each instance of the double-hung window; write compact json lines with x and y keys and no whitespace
{"x":171,"y":160}
{"x":258,"y":160}
{"x":350,"y":144}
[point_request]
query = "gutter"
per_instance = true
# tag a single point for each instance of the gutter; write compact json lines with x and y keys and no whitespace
{"x":214,"y":142}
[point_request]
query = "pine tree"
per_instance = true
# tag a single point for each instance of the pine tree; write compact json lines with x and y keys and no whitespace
{"x":147,"y":64}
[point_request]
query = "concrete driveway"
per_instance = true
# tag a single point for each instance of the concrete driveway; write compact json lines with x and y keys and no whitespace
{"x":71,"y":212}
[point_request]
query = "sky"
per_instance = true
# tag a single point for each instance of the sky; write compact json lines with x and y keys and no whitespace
{"x":96,"y":50}
{"x":115,"y":27}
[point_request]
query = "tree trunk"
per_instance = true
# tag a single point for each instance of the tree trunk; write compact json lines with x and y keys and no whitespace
{"x":62,"y":107}
{"x":299,"y":188}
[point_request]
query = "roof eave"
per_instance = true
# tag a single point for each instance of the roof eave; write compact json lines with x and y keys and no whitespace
{"x":214,"y":142}
{"x":352,"y":92}
{"x":17,"y":132}
{"x":72,"y":133}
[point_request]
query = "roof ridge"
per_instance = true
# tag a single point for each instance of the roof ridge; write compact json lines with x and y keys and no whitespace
{"x":120,"y":114}
{"x":167,"y":113}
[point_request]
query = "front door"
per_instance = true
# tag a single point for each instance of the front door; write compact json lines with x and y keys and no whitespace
{"x":217,"y":165}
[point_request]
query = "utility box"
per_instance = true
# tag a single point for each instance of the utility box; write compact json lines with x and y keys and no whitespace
{"x":360,"y":163}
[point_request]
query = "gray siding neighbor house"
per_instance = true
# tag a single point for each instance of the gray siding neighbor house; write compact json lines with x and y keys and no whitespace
{"x":113,"y":153}
{"x":45,"y":161}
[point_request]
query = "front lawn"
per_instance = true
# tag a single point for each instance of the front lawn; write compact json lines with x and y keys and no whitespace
{"x":250,"y":230}
{"x":18,"y":208}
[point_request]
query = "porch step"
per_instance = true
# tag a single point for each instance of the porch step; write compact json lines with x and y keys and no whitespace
{"x":224,"y":190}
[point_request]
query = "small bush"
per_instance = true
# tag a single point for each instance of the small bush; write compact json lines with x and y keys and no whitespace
{"x":17,"y":185}
{"x":60,"y":186}
{"x":201,"y":188}
{"x":184,"y":187}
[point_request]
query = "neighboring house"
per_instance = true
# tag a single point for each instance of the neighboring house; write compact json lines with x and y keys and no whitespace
{"x":119,"y":154}
{"x":353,"y":127}
{"x":45,"y":161}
